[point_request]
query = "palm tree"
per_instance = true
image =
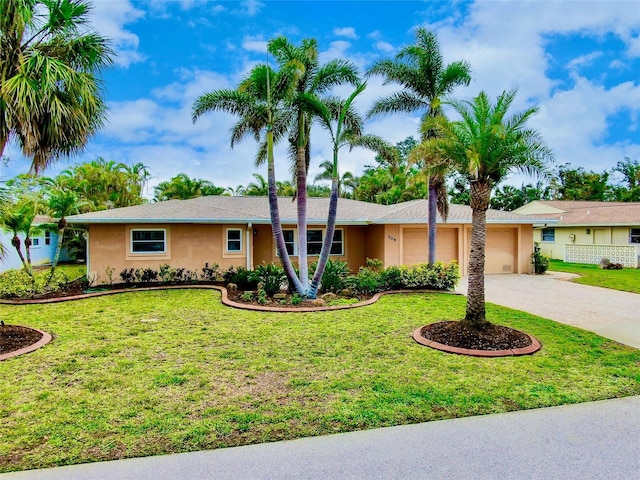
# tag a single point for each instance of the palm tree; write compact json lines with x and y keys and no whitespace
{"x":345,"y":127}
{"x":258,"y":188}
{"x":17,"y":217}
{"x":315,"y":80}
{"x":182,"y":187}
{"x":421,"y":71}
{"x":62,"y":203}
{"x":259,"y":102}
{"x":345,"y":182}
{"x":50,"y":94}
{"x":487,"y":145}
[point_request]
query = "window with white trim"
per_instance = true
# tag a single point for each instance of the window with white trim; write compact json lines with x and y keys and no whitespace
{"x":47,"y":238}
{"x":337,"y":246}
{"x":548,"y":234}
{"x":149,"y":241}
{"x":234,"y":240}
{"x":634,"y":235}
{"x":315,"y":237}
{"x":290,"y":242}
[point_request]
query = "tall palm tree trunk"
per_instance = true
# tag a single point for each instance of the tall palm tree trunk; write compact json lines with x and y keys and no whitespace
{"x":328,"y":238}
{"x":276,"y":225}
{"x":476,"y":311}
{"x":433,"y":207}
{"x":301,"y":199}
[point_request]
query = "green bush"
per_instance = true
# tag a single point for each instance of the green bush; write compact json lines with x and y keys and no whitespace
{"x":19,"y":284}
{"x":334,"y":275}
{"x":365,"y":282}
{"x":262,"y":297}
{"x":539,"y":261}
{"x":270,"y":275}
{"x":211,"y":273}
{"x":167,"y":273}
{"x":241,"y":278}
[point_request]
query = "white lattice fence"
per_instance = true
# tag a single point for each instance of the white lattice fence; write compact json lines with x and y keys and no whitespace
{"x":627,"y":255}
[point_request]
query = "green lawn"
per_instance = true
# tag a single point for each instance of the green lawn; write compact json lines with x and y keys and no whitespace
{"x":171,"y":371}
{"x":627,"y":279}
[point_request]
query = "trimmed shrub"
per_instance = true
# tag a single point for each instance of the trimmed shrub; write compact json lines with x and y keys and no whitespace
{"x":211,"y":273}
{"x":334,"y":275}
{"x":539,"y":261}
{"x":19,"y":284}
{"x":270,"y":275}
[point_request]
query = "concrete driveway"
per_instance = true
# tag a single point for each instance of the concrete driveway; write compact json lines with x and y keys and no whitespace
{"x":609,"y":313}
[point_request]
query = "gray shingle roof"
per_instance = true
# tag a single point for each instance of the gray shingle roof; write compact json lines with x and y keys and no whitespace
{"x":223,"y":209}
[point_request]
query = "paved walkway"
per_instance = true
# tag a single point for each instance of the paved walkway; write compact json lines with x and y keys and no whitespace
{"x":610,"y":313}
{"x":596,"y":440}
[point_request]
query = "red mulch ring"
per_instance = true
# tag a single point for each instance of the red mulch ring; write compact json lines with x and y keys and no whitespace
{"x":492,"y":337}
{"x":15,"y":337}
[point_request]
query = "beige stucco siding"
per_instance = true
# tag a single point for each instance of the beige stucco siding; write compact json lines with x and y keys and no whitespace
{"x":188,"y":246}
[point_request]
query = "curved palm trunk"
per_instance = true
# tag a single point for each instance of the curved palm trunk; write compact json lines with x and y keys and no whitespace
{"x":328,"y":240}
{"x":433,"y":208}
{"x":275,"y":220}
{"x":476,"y":313}
{"x":62,"y":224}
{"x":301,"y":200}
{"x":15,"y":241}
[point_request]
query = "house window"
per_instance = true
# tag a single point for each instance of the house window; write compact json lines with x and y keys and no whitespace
{"x":47,"y":238}
{"x":234,"y":240}
{"x":289,"y":241}
{"x":35,"y":242}
{"x":634,"y":235}
{"x":148,"y":241}
{"x":337,"y":246}
{"x":548,"y":234}
{"x":314,"y":242}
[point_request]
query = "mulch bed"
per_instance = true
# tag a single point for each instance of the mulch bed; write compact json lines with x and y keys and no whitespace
{"x":492,"y":337}
{"x":15,"y":337}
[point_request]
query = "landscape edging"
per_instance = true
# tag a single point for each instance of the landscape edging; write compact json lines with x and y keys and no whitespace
{"x":224,"y":297}
{"x":46,"y":338}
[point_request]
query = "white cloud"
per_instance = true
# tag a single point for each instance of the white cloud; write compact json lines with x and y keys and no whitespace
{"x":109,"y":19}
{"x":348,"y":32}
{"x":384,"y":47}
{"x":254,"y":44}
{"x":583,"y":60}
{"x":251,"y":7}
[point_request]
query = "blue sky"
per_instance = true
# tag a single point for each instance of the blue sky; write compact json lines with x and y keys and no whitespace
{"x":579,"y":61}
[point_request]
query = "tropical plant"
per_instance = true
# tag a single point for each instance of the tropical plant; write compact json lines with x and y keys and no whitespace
{"x":50,"y":94}
{"x":275,"y":104}
{"x":314,"y":80}
{"x":182,"y":187}
{"x":345,"y":127}
{"x":61,"y":203}
{"x":103,"y":184}
{"x":346,"y":182}
{"x":270,"y":276}
{"x":334,"y":276}
{"x":487,"y":145}
{"x":17,"y":217}
{"x":425,"y":79}
{"x":258,"y":188}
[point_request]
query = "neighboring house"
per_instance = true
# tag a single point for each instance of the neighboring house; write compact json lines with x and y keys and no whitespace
{"x":587,"y":232}
{"x":236,"y":231}
{"x":42,"y":249}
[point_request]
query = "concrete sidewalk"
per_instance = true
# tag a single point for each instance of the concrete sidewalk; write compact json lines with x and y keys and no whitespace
{"x":598,"y":440}
{"x":610,"y":313}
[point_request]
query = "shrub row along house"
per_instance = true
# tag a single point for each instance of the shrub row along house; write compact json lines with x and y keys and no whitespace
{"x":236,"y":231}
{"x":587,"y":231}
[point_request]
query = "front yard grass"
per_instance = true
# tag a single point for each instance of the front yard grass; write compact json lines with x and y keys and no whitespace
{"x":155,"y":372}
{"x":627,"y":279}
